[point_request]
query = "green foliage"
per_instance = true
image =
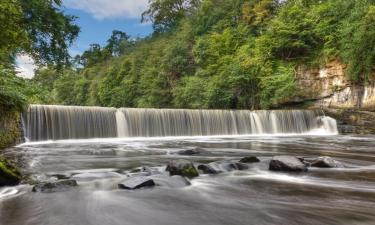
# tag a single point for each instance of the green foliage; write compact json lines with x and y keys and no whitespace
{"x":12,"y":95}
{"x":165,"y":14}
{"x":218,"y":54}
{"x":358,"y":42}
{"x":277,"y":83}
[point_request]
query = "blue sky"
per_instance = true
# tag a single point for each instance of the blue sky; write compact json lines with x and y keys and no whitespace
{"x":97,"y":28}
{"x":97,"y":19}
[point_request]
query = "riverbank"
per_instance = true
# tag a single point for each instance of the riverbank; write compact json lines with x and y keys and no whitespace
{"x":10,"y":134}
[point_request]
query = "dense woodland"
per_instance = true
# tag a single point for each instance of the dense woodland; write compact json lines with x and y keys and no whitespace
{"x":203,"y":53}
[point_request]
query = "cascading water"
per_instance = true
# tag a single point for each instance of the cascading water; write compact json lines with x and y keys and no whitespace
{"x":44,"y":122}
{"x":52,"y":122}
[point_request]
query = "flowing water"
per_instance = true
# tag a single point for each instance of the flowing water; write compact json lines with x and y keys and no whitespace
{"x":252,"y":196}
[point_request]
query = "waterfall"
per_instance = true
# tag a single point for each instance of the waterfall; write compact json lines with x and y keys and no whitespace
{"x":52,"y":122}
{"x":121,"y":124}
{"x":42,"y":122}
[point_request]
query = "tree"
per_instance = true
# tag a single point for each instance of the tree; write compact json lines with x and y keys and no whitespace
{"x":165,"y":14}
{"x":37,"y":27}
{"x":115,"y":43}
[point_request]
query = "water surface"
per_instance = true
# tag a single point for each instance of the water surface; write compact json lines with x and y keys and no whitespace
{"x":253,"y":196}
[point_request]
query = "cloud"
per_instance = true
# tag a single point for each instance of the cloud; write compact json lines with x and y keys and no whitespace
{"x":109,"y":9}
{"x":25,"y":66}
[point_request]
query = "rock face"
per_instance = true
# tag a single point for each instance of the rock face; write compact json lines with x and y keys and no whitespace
{"x":326,"y":162}
{"x":287,"y":163}
{"x":9,"y":175}
{"x":329,"y":86}
{"x":10,"y":129}
{"x":183,"y":168}
{"x":50,"y":187}
{"x":136,"y":183}
{"x":249,"y":159}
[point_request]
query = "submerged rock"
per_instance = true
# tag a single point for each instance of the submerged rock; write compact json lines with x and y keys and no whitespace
{"x":208,"y":169}
{"x":9,"y":175}
{"x":237,"y":166}
{"x":326,"y":162}
{"x":49,"y":187}
{"x":249,"y":159}
{"x":287,"y":163}
{"x":192,"y":151}
{"x":136,"y":183}
{"x":183,"y":168}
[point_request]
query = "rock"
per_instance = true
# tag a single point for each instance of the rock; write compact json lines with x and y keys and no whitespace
{"x":60,"y":176}
{"x":9,"y":174}
{"x":193,"y":151}
{"x":326,"y":162}
{"x":183,"y":168}
{"x":136,"y":183}
{"x":287,"y":163}
{"x":208,"y":169}
{"x":249,"y":159}
{"x":49,"y":187}
{"x":237,"y":166}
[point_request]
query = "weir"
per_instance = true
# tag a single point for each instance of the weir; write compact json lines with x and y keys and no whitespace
{"x":46,"y":122}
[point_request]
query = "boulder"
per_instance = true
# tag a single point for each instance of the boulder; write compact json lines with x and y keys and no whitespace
{"x":326,"y":162}
{"x":136,"y":183}
{"x":249,"y":159}
{"x":60,"y":185}
{"x":287,"y":163}
{"x":9,"y":175}
{"x":183,"y":168}
{"x":208,"y":169}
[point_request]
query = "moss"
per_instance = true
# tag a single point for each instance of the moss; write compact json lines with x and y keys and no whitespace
{"x":190,"y":171}
{"x":9,"y":174}
{"x":10,"y":131}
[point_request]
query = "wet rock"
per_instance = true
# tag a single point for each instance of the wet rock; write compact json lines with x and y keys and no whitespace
{"x":49,"y":187}
{"x":183,"y":168}
{"x":208,"y":169}
{"x":326,"y":162}
{"x":61,"y":176}
{"x":237,"y":166}
{"x":9,"y":175}
{"x":249,"y":159}
{"x":193,"y":151}
{"x":136,"y":183}
{"x":287,"y":163}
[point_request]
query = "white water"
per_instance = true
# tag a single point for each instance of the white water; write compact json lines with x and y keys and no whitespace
{"x":42,"y":122}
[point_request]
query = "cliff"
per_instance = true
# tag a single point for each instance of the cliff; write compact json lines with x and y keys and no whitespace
{"x":330,"y":89}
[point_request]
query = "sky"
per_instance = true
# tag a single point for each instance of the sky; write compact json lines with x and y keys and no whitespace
{"x":97,"y":19}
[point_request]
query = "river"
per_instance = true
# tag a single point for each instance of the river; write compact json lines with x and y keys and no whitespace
{"x":252,"y":196}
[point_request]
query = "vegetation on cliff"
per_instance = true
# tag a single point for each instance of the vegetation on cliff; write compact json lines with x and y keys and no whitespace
{"x":202,"y":54}
{"x":218,"y":54}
